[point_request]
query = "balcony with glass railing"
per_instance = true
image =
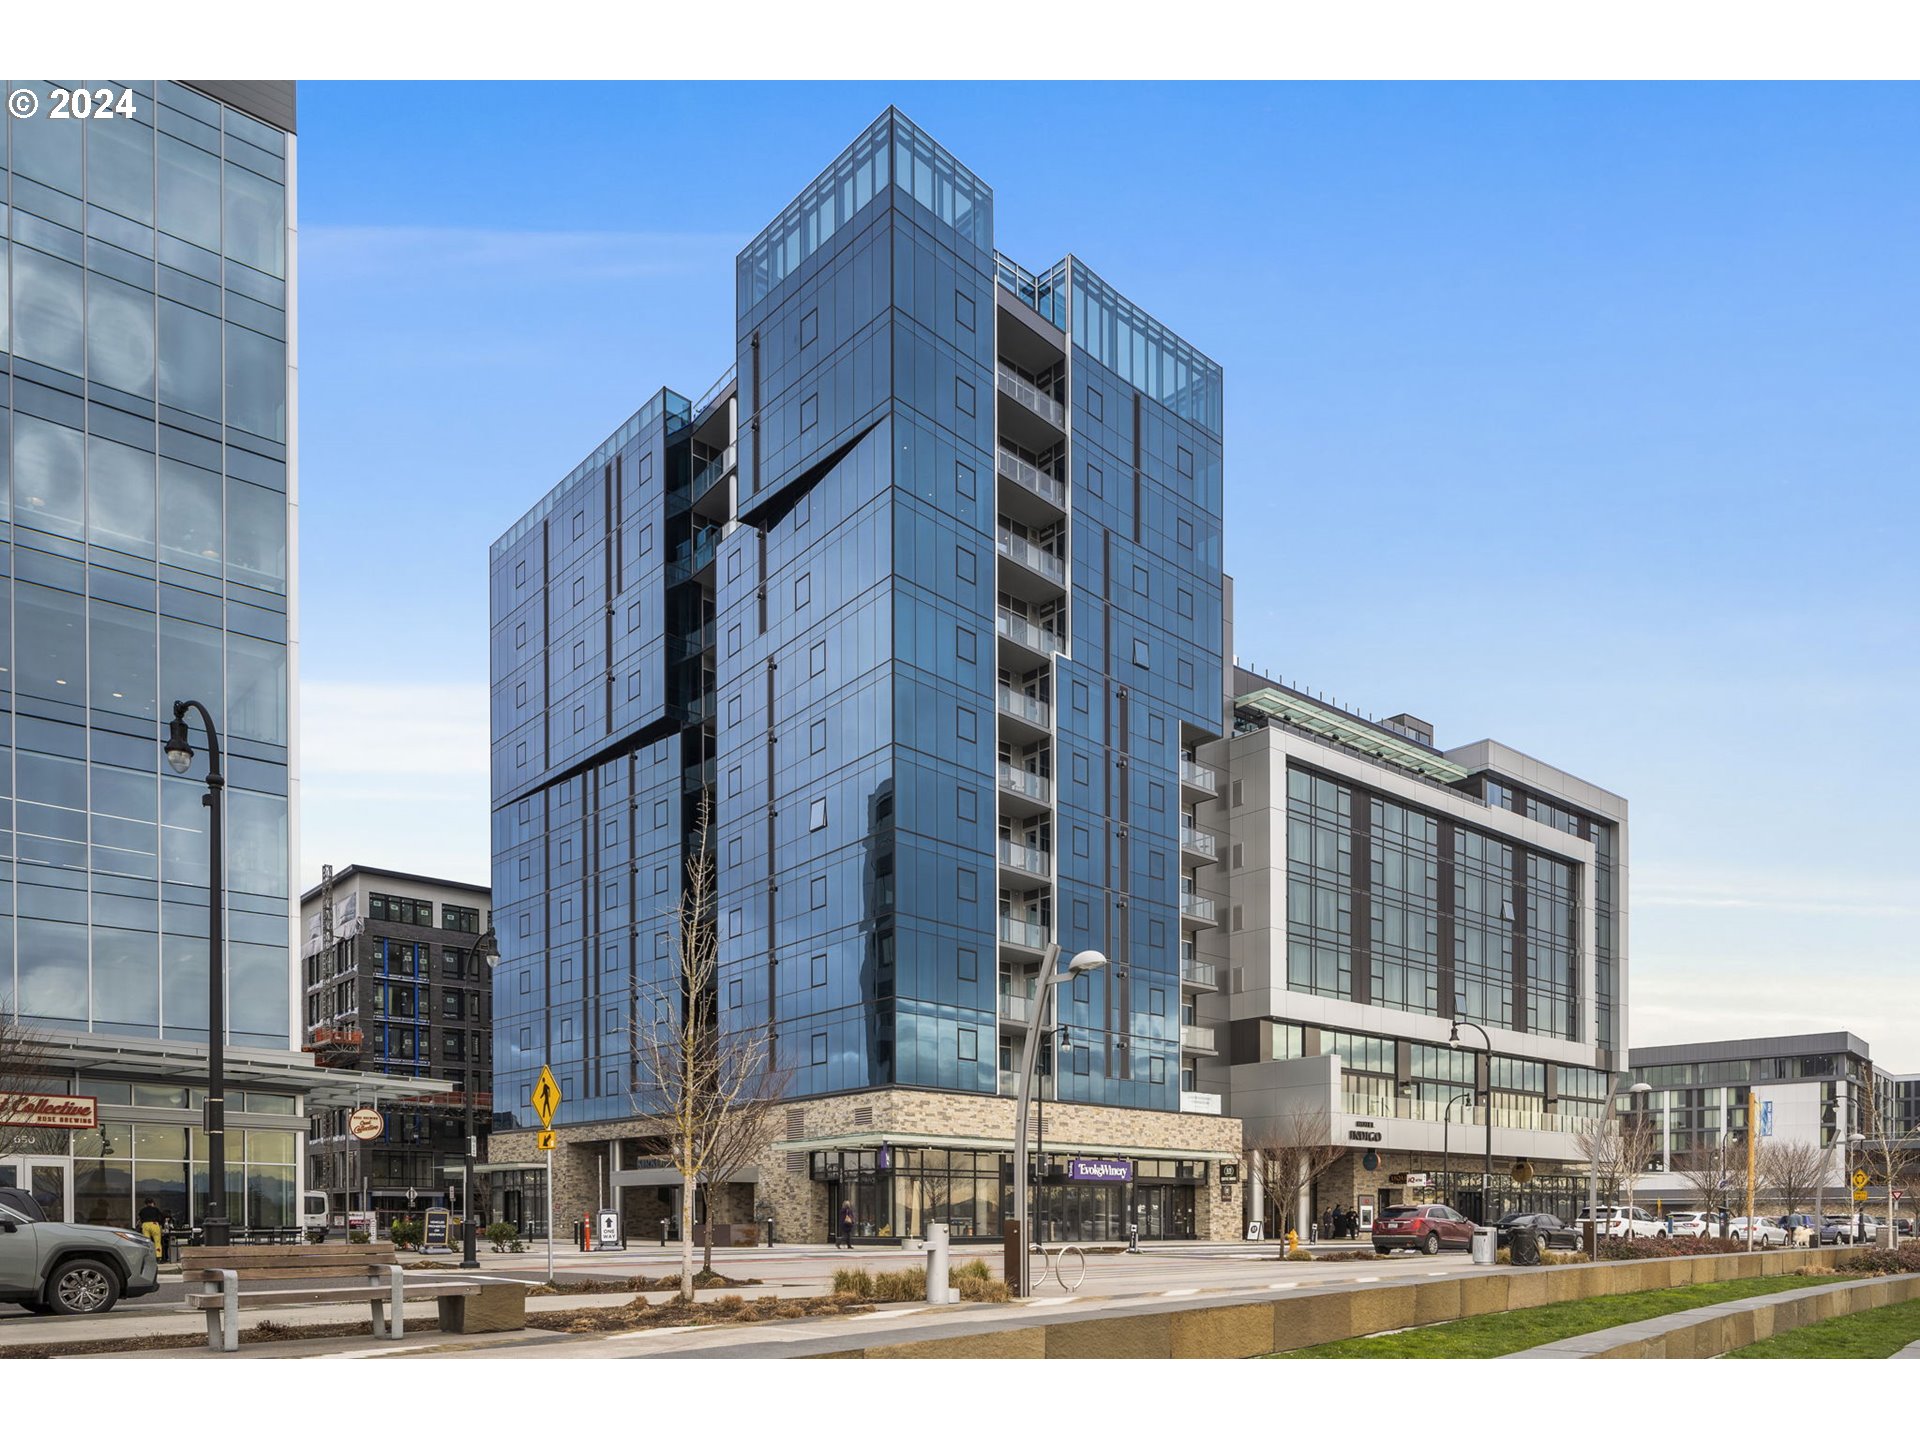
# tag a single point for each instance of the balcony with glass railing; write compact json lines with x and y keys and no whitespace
{"x":1026,"y":784}
{"x":1027,"y":934}
{"x":1030,"y":395}
{"x":1029,"y":556}
{"x":689,"y":559}
{"x":1027,"y":708}
{"x":1197,"y":908}
{"x":1199,"y":842}
{"x":1016,"y":1009}
{"x":1197,"y":1037}
{"x":1202,"y":973}
{"x":1027,"y":859}
{"x":710,"y":472}
{"x":1032,"y":478}
{"x":1037,"y":639}
{"x":1196,"y":776}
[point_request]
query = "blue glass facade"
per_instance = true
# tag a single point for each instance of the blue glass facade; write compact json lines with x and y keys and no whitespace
{"x":145,"y":450}
{"x":926,"y":597}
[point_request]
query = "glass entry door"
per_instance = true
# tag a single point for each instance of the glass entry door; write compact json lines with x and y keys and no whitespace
{"x":48,"y":1178}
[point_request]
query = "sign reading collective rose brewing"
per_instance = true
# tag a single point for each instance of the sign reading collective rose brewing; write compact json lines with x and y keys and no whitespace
{"x":366,"y":1123}
{"x":1116,"y":1172}
{"x":49,"y":1112}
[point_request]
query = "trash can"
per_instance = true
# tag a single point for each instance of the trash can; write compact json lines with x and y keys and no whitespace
{"x":1486,"y":1245}
{"x":1523,"y":1247}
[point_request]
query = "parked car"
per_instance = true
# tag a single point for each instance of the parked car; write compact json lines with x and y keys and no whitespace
{"x":1623,"y":1220}
{"x":57,"y":1269}
{"x":1828,"y":1228}
{"x":1552,"y":1232}
{"x":1431,"y":1228}
{"x":1767,"y":1234}
{"x":1691,"y":1223}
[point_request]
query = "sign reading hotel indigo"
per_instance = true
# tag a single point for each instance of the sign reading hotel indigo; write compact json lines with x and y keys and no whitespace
{"x":1116,"y":1172}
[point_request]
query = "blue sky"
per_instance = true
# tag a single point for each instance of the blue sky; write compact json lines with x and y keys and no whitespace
{"x":1583,"y":417}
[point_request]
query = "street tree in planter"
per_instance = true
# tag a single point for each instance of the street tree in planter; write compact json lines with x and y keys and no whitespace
{"x":708,"y":1089}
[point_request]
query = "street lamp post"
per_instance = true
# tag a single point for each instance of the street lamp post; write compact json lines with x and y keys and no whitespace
{"x":1634,"y":1091}
{"x":1486,"y":1175}
{"x":1037,"y":1025}
{"x":214,"y":1225}
{"x":469,"y":1255}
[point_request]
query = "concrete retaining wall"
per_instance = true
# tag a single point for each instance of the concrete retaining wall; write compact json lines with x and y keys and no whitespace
{"x":1232,"y":1327}
{"x":1716,"y":1329}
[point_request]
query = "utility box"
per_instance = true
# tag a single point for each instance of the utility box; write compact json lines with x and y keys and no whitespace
{"x":1486,"y":1246}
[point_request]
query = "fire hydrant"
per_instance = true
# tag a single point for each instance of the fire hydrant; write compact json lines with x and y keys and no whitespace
{"x":1293,"y":1242}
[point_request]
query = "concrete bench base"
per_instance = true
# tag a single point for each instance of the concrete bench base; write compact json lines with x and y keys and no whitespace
{"x":491,"y":1306}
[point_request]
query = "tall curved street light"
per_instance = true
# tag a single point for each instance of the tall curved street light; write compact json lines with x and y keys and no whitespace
{"x":1446,"y":1138}
{"x":1486,"y":1175}
{"x":1040,"y":1023}
{"x":214,"y":1222}
{"x":488,"y":946}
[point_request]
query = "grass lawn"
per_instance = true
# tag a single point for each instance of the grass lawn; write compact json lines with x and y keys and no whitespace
{"x":1870,"y":1335}
{"x":1502,"y":1334}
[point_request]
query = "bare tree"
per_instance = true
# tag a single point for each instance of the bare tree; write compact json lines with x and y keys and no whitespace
{"x":22,"y":1072}
{"x":1716,"y":1172}
{"x":748,"y":1129}
{"x":1291,"y":1153}
{"x":1891,"y":1150}
{"x":709,"y":1088}
{"x":1618,"y":1150}
{"x":1791,"y":1170}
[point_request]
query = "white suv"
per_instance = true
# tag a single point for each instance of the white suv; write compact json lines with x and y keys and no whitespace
{"x":1623,"y":1220}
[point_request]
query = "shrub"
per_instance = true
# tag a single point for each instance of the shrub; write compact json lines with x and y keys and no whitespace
{"x":1667,"y":1247}
{"x":502,"y":1235}
{"x":405,"y":1233}
{"x":853,"y":1281}
{"x":900,"y":1285}
{"x":1903,"y":1261}
{"x":973,"y":1269}
{"x":975,"y":1284}
{"x":359,"y":1237}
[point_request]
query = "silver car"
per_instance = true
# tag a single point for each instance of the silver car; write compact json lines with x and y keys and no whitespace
{"x":56,"y":1269}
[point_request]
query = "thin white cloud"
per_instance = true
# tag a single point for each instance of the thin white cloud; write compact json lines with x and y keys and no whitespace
{"x":404,"y":252}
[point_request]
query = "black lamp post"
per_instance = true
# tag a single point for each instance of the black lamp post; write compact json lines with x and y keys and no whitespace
{"x":469,"y":1256}
{"x":1486,"y":1176}
{"x":214,"y":1223}
{"x":1446,"y":1138}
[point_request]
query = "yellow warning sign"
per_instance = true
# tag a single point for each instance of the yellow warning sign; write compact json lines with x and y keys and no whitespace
{"x":546,"y":1098}
{"x":546,"y":1140}
{"x":1859,"y":1179}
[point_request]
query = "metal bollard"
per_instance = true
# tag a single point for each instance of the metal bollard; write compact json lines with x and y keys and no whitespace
{"x":663,"y":1232}
{"x":937,"y":1291}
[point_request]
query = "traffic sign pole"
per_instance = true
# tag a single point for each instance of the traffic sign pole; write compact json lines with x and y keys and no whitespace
{"x":549,"y":1217}
{"x":546,"y":1100}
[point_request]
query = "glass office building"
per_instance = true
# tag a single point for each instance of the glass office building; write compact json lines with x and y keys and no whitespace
{"x":923,"y":603}
{"x":147,"y":490}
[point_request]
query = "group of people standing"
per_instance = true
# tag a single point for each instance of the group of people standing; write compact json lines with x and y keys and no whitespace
{"x":1339,"y":1224}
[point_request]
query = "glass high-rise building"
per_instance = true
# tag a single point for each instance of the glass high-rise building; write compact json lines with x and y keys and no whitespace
{"x":923,"y":604}
{"x":148,"y":493}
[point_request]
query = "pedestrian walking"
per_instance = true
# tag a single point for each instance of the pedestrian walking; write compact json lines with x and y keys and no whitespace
{"x":846,"y":1224}
{"x":150,"y":1217}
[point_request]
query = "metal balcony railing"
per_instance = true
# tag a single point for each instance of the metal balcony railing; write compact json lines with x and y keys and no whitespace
{"x":1023,"y":631}
{"x":1200,"y":972}
{"x":1025,"y":553}
{"x":1198,"y":776}
{"x":1032,"y":477}
{"x":1196,"y":1037}
{"x":1024,"y":782}
{"x":1029,"y":395}
{"x":1017,"y":1008}
{"x":1197,"y":906}
{"x":1026,"y":707}
{"x":1028,"y":859}
{"x":1199,"y":842}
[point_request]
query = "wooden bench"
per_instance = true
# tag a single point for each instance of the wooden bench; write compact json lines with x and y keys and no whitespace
{"x":465,"y":1304}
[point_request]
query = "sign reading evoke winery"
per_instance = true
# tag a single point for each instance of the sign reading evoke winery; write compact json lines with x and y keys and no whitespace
{"x":1112,"y":1171}
{"x":49,"y":1112}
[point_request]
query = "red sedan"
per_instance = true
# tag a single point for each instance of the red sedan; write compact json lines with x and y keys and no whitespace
{"x":1431,"y":1228}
